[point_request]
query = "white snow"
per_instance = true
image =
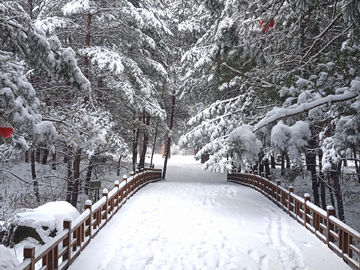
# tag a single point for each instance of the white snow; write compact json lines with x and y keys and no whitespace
{"x":278,"y":113}
{"x":248,"y":141}
{"x":196,"y":220}
{"x":7,"y":259}
{"x":49,"y":215}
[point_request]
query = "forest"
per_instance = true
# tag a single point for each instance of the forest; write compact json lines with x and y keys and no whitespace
{"x":92,"y":86}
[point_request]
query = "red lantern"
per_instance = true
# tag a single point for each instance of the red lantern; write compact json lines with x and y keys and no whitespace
{"x":6,"y":130}
{"x":267,"y":26}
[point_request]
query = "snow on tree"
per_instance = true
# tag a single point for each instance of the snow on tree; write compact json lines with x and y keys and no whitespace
{"x":265,"y":61}
{"x":26,"y":48}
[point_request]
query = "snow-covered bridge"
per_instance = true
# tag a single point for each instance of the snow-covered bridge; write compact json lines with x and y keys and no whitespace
{"x":193,"y":220}
{"x":196,"y":220}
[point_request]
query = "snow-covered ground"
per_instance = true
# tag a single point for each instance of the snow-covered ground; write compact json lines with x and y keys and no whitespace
{"x":195,"y":220}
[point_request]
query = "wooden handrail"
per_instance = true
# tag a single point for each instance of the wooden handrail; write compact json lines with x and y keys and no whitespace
{"x":62,"y":250}
{"x":338,"y":236}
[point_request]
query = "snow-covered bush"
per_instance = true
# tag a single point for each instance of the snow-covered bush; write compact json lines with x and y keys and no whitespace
{"x":41,"y":223}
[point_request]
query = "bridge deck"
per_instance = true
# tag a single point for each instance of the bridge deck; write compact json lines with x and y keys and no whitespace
{"x":208,"y":224}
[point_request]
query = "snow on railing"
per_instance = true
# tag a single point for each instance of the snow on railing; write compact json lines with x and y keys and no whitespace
{"x":338,"y":236}
{"x":62,"y":250}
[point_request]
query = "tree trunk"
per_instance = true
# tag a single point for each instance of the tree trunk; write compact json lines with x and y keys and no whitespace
{"x":92,"y":161}
{"x":335,"y":177}
{"x":267,"y":168}
{"x":273,"y":164}
{"x":118,"y":167}
{"x":67,"y":161}
{"x":356,"y":165}
{"x":322,"y":183}
{"x":287,"y":161}
{"x":45,"y":156}
{"x":53,"y":162}
{"x":38,"y":154}
{"x":260,"y":162}
{"x":167,"y":151}
{"x":33,"y":175}
{"x":87,"y":44}
{"x":331,"y":192}
{"x":27,"y":156}
{"x":75,"y":190}
{"x":282,"y":163}
{"x":135,"y":146}
{"x":311,"y":166}
{"x":31,"y":7}
{"x":153,"y":150}
{"x":145,"y":144}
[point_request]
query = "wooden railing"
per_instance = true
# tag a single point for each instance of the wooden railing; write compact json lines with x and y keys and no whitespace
{"x":62,"y":250}
{"x":338,"y":236}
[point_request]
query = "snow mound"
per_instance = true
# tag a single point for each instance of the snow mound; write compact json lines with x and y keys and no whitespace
{"x":47,"y":218}
{"x":7,"y":259}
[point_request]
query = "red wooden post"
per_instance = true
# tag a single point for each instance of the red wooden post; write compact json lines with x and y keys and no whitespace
{"x":306,"y":198}
{"x":345,"y":242}
{"x":137,"y":180}
{"x":105,"y":193}
{"x":116,"y":202}
{"x":29,"y":253}
{"x":142,"y":177}
{"x":117,"y":183}
{"x":88,"y":205}
{"x":290,"y":207}
{"x":125,"y":189}
{"x":278,"y":184}
{"x":269,"y":186}
{"x":329,"y":226}
{"x":130,"y":185}
{"x":253,"y":178}
{"x":67,"y":241}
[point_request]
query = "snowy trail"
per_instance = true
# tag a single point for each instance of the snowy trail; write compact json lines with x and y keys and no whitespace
{"x":208,"y":224}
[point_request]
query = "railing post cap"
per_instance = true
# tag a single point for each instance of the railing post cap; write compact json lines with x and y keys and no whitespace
{"x":137,"y":171}
{"x":116,"y":183}
{"x":88,"y":202}
{"x":29,"y":251}
{"x":124,"y":177}
{"x":142,"y":169}
{"x":307,"y":195}
{"x":29,"y":246}
{"x":67,"y":223}
{"x":132,"y":173}
{"x":330,"y":208}
{"x":105,"y":191}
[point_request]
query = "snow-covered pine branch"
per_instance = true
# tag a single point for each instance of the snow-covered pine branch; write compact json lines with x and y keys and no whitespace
{"x":279,"y":113}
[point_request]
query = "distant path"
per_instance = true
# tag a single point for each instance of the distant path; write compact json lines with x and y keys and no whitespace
{"x":187,"y":169}
{"x":180,"y":224}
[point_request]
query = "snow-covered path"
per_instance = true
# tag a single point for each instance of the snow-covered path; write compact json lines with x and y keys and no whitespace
{"x":209,"y":224}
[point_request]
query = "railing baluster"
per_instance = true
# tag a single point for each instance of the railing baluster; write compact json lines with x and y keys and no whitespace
{"x":29,"y":253}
